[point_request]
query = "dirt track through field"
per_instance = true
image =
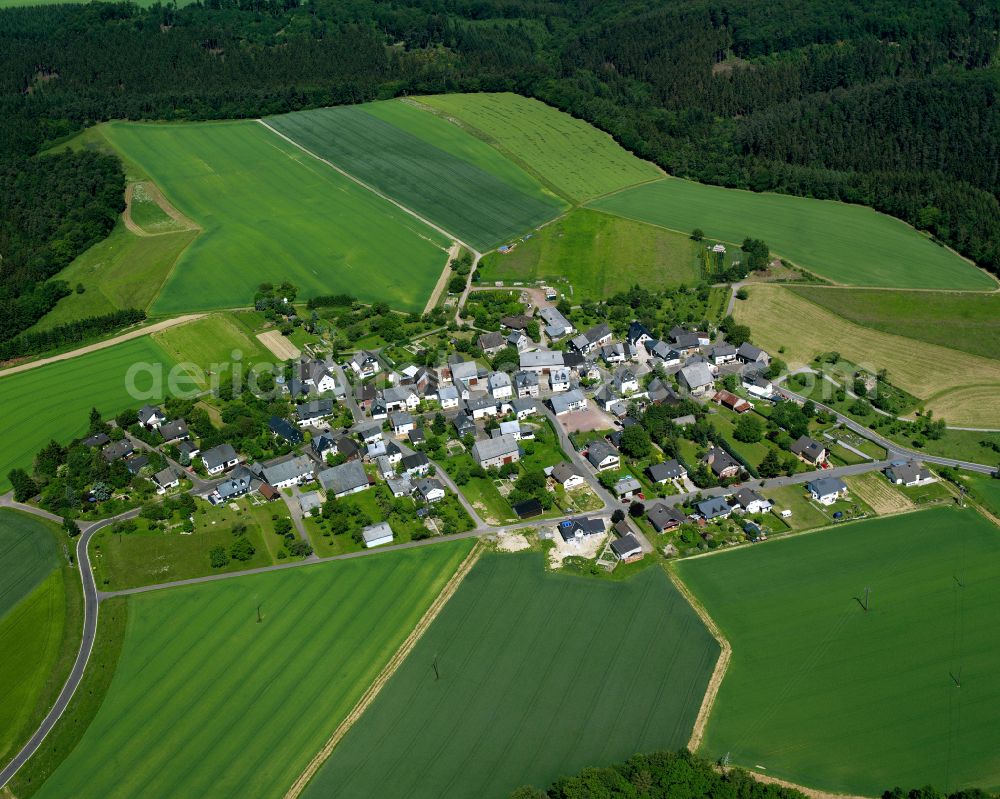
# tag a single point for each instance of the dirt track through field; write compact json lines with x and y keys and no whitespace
{"x":390,"y":668}
{"x":812,"y":793}
{"x":101,"y":345}
{"x":156,"y":196}
{"x":442,"y":282}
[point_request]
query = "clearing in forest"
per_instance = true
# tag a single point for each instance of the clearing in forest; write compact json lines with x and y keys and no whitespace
{"x":428,"y":165}
{"x":813,"y":674}
{"x":207,"y":701}
{"x":849,"y":244}
{"x":576,"y":159}
{"x":527,"y":675}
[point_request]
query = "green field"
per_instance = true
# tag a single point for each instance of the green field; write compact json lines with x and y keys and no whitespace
{"x":207,"y":702}
{"x":821,"y":692}
{"x":575,"y":159}
{"x":123,"y":271}
{"x":272,"y":213}
{"x":38,"y":597}
{"x":967,"y":322}
{"x":63,"y":393}
{"x":848,"y":244}
{"x":540,"y":675}
{"x":213,"y":340}
{"x":985,"y":490}
{"x":598,"y":255}
{"x":444,"y":174}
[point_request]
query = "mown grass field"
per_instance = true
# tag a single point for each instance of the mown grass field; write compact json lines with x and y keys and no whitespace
{"x":575,"y":159}
{"x":985,"y":490}
{"x":39,"y":624}
{"x":53,"y":401}
{"x":123,"y":271}
{"x":207,"y":702}
{"x":217,"y":339}
{"x":598,"y":255}
{"x":439,"y":174}
{"x":966,"y":322}
{"x":821,"y":692}
{"x":958,"y":387}
{"x":271,"y":213}
{"x":540,"y":675}
{"x":848,"y":244}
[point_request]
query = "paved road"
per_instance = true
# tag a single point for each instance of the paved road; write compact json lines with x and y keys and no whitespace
{"x":350,"y":399}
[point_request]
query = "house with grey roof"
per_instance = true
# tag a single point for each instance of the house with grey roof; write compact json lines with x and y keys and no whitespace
{"x":827,"y":490}
{"x":289,"y":472}
{"x":723,"y":465}
{"x":575,"y":530}
{"x":401,"y":422}
{"x":665,"y":517}
{"x":492,"y":453}
{"x":593,"y":339}
{"x":749,"y":501}
{"x":809,"y":450}
{"x":375,"y":535}
{"x":526,"y":384}
{"x":492,"y":343}
{"x":627,"y":548}
{"x":627,"y":487}
{"x":151,"y":416}
{"x":748,"y":353}
{"x":568,"y":402}
{"x":415,"y":464}
{"x":365,"y":364}
{"x":602,"y":455}
{"x":448,"y":397}
{"x":665,"y":472}
{"x":177,"y":430}
{"x":499,"y":386}
{"x":722,"y":353}
{"x":429,"y":490}
{"x":165,"y":479}
{"x":541,"y":361}
{"x":696,"y":378}
{"x":556,"y":325}
{"x":910,"y":473}
{"x":714,"y":508}
{"x":218,"y":459}
{"x":340,"y":481}
{"x":566,"y":475}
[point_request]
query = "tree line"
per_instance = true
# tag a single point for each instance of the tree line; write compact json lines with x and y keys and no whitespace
{"x":90,"y":327}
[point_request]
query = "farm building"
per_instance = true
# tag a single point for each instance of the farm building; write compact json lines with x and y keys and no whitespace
{"x":729,"y":400}
{"x":377,"y":534}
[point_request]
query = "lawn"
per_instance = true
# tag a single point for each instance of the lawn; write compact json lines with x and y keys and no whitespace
{"x":575,"y":159}
{"x":211,"y":343}
{"x":443,"y":181}
{"x":270,"y":213}
{"x":966,"y":322}
{"x":598,"y":255}
{"x":813,"y":674}
{"x":541,"y":674}
{"x":63,"y":393}
{"x":985,"y":490}
{"x":805,"y":515}
{"x":848,"y":244}
{"x":123,"y":271}
{"x":40,"y":610}
{"x":960,"y":388}
{"x":204,"y":695}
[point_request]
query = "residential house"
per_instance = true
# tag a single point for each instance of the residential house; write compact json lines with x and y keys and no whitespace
{"x":340,"y":481}
{"x":492,"y":343}
{"x":568,"y":401}
{"x":575,"y":530}
{"x":430,"y":490}
{"x":415,"y":464}
{"x":638,"y":335}
{"x":376,"y":534}
{"x":559,"y":380}
{"x":627,"y":487}
{"x":136,"y":464}
{"x":593,"y":339}
{"x":96,"y":440}
{"x":566,"y":475}
{"x":376,"y":449}
{"x":665,"y":517}
{"x":678,"y":334}
{"x":809,"y":450}
{"x":290,"y":472}
{"x":347,"y":447}
{"x":313,"y":412}
{"x":187,"y":448}
{"x":722,"y":353}
{"x":218,"y":459}
{"x":660,"y":393}
{"x":385,"y":467}
{"x":541,"y":361}
{"x":379,"y":411}
{"x":284,"y":429}
{"x":748,"y":353}
{"x":498,"y":384}
{"x":365,"y":364}
{"x":401,"y":422}
{"x":314,"y":373}
{"x":465,"y":372}
{"x":663,"y":352}
{"x":464,"y":425}
{"x":393,"y":452}
{"x":323,"y":445}
{"x":616,"y":352}
{"x":400,"y":398}
{"x":556,"y":325}
{"x":177,"y":430}
{"x":511,"y":429}
{"x":606,"y":398}
{"x":602,"y":455}
{"x":627,"y":547}
{"x":481,"y":407}
{"x":528,"y":508}
{"x":448,"y":397}
{"x":495,"y":452}
{"x":526,"y":384}
{"x":758,"y":386}
{"x":827,"y":490}
{"x":749,"y":501}
{"x":713,"y":508}
{"x":165,"y":480}
{"x":151,"y":417}
{"x":723,"y":465}
{"x":696,"y":378}
{"x":911,"y":473}
{"x":732,"y":401}
{"x":240,"y":482}
{"x":625,"y":381}
{"x":416,"y":436}
{"x":399,"y":486}
{"x":665,"y":472}
{"x":309,"y":501}
{"x":518,"y":340}
{"x":516,"y":322}
{"x":364,"y":395}
{"x":371,"y":434}
{"x":523,"y":408}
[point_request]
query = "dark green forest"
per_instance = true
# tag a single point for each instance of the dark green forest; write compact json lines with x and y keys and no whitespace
{"x":889,"y":103}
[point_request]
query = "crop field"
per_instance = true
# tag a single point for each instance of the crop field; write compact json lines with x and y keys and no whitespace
{"x":961,"y":388}
{"x":825,"y":694}
{"x":213,"y":340}
{"x":848,"y":244}
{"x":456,"y":185}
{"x":270,"y":212}
{"x":206,"y":701}
{"x":33,"y":619}
{"x":598,"y":255}
{"x":540,"y":675}
{"x":959,"y":321}
{"x":52,"y":401}
{"x":878,"y":493}
{"x":575,"y":159}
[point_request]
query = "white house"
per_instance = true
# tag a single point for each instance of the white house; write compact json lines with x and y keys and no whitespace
{"x":448,"y":397}
{"x":526,"y":384}
{"x":218,"y":459}
{"x":377,"y":534}
{"x":696,"y":378}
{"x":365,"y":364}
{"x":625,"y":381}
{"x":568,"y":401}
{"x":564,"y":474}
{"x":402,"y":422}
{"x":750,"y":501}
{"x":430,"y":490}
{"x":559,"y":379}
{"x":400,"y":398}
{"x":827,"y":490}
{"x":165,"y":480}
{"x":499,"y":386}
{"x":602,"y":455}
{"x":495,"y":452}
{"x":294,"y":471}
{"x":911,"y":473}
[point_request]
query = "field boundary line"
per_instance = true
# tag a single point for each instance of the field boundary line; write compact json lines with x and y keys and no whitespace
{"x":101,"y":345}
{"x":388,"y":670}
{"x":370,"y":188}
{"x":721,"y":665}
{"x":812,"y":793}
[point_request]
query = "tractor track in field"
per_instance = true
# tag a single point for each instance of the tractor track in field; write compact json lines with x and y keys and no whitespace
{"x":388,"y":670}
